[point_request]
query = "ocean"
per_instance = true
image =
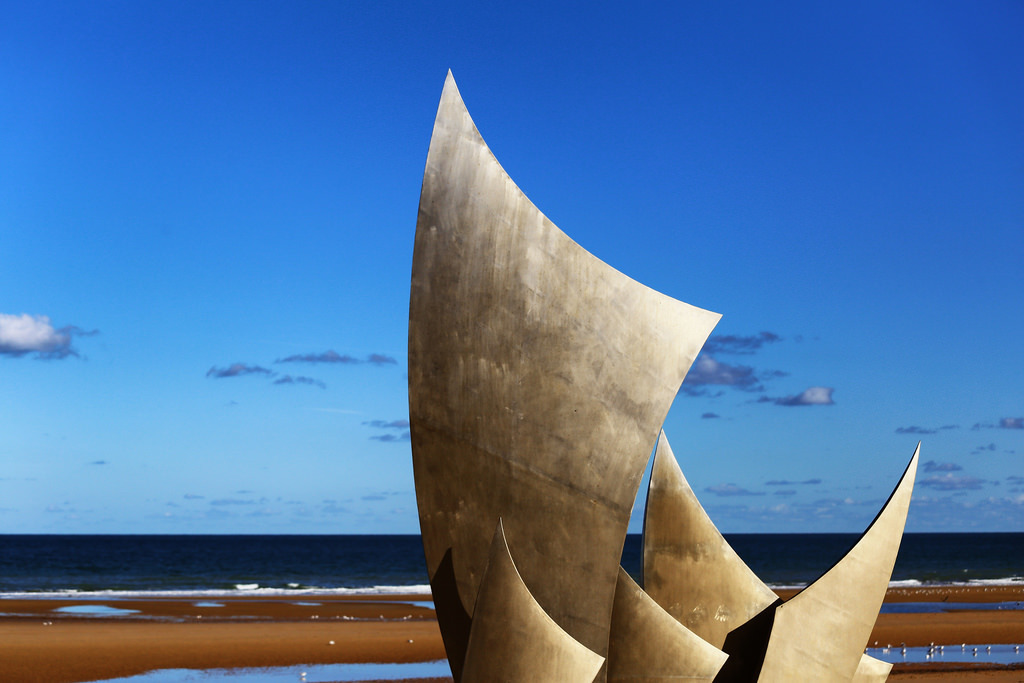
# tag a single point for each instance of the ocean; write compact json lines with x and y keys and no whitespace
{"x":56,"y":565}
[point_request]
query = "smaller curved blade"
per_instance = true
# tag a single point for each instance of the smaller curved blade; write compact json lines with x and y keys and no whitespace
{"x":513,"y":638}
{"x":648,"y":644}
{"x":820,"y":633}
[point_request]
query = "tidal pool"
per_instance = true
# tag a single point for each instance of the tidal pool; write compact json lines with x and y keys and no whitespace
{"x":295,"y":674}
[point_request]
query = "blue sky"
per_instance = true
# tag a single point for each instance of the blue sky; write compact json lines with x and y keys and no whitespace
{"x":207,"y":215}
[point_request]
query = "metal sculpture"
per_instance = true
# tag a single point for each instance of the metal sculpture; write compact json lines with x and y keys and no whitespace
{"x":539,"y":378}
{"x":819,"y":634}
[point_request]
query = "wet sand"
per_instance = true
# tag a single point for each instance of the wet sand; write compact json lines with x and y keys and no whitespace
{"x":40,"y":644}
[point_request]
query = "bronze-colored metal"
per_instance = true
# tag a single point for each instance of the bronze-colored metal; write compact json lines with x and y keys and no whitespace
{"x":689,"y":567}
{"x":648,"y":645}
{"x":820,"y":633}
{"x":513,"y":639}
{"x":539,"y":377}
{"x":871,"y":670}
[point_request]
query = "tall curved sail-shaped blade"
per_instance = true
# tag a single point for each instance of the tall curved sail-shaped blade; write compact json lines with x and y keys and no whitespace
{"x":512,"y":639}
{"x":689,"y":567}
{"x":820,"y":633}
{"x":648,"y":645}
{"x":871,"y":670}
{"x":539,"y":377}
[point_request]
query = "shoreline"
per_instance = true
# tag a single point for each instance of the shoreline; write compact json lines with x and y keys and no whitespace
{"x":42,"y":641}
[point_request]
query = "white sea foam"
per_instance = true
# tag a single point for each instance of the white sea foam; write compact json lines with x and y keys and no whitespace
{"x":241,"y":590}
{"x":917,"y":583}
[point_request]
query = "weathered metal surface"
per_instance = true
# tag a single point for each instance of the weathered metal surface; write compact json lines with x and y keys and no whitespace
{"x":648,"y":645}
{"x":689,"y":567}
{"x":512,"y":639}
{"x":871,"y":670}
{"x":820,"y":633}
{"x":539,"y":377}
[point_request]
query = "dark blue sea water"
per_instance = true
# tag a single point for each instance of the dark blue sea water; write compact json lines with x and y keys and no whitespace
{"x":266,"y":564}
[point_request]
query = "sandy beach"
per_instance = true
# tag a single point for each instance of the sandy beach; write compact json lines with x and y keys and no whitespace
{"x":41,"y":644}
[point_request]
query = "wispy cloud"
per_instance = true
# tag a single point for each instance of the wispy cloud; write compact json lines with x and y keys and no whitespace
{"x":740,"y":345}
{"x":26,"y":334}
{"x":710,"y":416}
{"x":951,"y":482}
{"x":1002,"y":423}
{"x":289,"y":379}
{"x":332,"y":356}
{"x":402,"y":425}
{"x":98,"y":462}
{"x":786,"y":482}
{"x":391,"y":438}
{"x":914,"y":429}
{"x":329,"y":356}
{"x":238,"y":370}
{"x":812,"y":396}
{"x":932,"y":466}
{"x":242,"y":369}
{"x":729,"y":490}
{"x":384,"y":424}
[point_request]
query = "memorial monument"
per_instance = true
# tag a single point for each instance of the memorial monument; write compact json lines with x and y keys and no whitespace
{"x":539,"y":380}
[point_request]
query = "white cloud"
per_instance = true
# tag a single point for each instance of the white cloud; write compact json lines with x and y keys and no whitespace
{"x":812,"y":396}
{"x":21,"y":334}
{"x":706,"y":370}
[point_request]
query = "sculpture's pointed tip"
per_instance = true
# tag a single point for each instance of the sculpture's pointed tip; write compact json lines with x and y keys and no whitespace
{"x":911,"y":467}
{"x":450,"y":94}
{"x":449,"y":82}
{"x":662,"y":439}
